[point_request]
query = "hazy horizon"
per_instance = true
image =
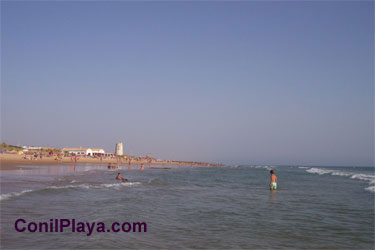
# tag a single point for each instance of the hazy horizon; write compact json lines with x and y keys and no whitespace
{"x":232,"y":82}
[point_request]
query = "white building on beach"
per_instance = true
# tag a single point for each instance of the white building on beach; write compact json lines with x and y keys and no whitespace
{"x":84,"y":151}
{"x":31,"y":148}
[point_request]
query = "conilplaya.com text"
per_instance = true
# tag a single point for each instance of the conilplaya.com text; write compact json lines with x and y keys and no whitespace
{"x":75,"y":226}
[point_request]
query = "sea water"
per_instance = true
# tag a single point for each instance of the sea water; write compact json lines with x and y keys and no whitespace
{"x":192,"y":207}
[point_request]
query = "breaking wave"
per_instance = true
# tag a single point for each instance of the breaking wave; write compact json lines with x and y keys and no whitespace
{"x":266,"y":167}
{"x":88,"y":186}
{"x":371,"y":189}
{"x":84,"y":186}
{"x":14,"y":194}
{"x":364,"y":177}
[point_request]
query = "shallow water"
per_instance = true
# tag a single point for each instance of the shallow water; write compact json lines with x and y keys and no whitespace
{"x":228,"y":207}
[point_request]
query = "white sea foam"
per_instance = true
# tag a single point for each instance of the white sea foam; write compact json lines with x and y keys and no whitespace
{"x":341,"y":173}
{"x":14,"y":194}
{"x":319,"y":171}
{"x":364,"y":177}
{"x":371,"y":189}
{"x":266,"y":167}
{"x":303,"y":167}
{"x":69,"y":186}
{"x":116,"y":185}
{"x":84,"y":186}
{"x":87,"y":186}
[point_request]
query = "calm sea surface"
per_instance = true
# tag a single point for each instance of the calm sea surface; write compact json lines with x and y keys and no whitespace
{"x":193,"y":207}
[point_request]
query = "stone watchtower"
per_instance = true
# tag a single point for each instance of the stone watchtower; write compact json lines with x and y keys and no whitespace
{"x":119,"y":148}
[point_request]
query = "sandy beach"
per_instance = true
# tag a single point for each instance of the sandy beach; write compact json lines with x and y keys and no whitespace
{"x":14,"y":161}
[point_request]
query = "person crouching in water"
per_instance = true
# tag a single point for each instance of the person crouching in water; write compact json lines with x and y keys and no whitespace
{"x":273,"y":184}
{"x":120,"y":178}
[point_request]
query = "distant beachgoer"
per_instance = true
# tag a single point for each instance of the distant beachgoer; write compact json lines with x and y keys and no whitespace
{"x":120,"y":178}
{"x":112,"y":166}
{"x":142,"y":167}
{"x":273,"y":184}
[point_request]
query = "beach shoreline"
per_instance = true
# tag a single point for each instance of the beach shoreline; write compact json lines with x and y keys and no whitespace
{"x":14,"y":161}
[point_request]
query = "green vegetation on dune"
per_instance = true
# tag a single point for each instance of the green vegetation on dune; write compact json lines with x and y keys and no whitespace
{"x":8,"y":147}
{"x":12,"y":148}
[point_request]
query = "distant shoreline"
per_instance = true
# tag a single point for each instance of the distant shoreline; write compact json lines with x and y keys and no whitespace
{"x":13,"y":161}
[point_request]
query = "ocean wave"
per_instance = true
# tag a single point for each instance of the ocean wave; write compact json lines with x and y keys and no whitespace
{"x":88,"y":186}
{"x":319,"y":171}
{"x":371,"y":189}
{"x":364,"y":177}
{"x":84,"y":186}
{"x":304,"y":167}
{"x":14,"y":194}
{"x":266,"y":167}
{"x":69,"y":186}
{"x":115,"y":185}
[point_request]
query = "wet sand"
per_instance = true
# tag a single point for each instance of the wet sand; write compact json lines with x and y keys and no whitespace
{"x":11,"y":166}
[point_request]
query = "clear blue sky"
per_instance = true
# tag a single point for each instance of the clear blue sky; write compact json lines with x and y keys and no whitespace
{"x":240,"y":82}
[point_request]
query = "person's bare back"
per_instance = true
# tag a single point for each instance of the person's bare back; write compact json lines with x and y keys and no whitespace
{"x":120,"y":178}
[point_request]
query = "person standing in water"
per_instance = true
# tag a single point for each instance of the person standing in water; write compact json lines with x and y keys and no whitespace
{"x":273,"y":184}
